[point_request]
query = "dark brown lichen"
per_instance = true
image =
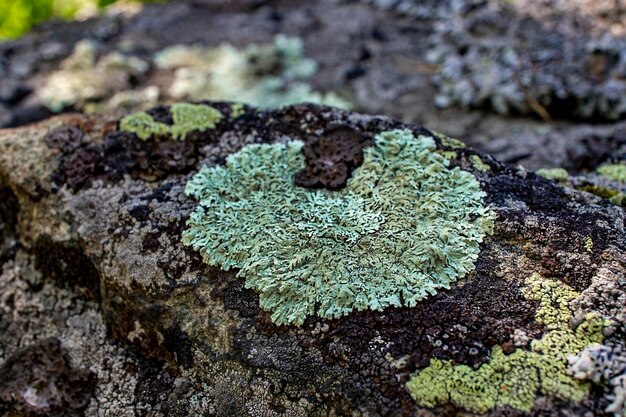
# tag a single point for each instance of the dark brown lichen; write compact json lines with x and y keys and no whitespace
{"x":331,"y":157}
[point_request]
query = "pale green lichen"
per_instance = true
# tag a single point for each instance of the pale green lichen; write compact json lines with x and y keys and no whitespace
{"x":615,"y":172}
{"x":478,"y":164}
{"x":555,"y":174}
{"x":589,"y":244}
{"x":405,"y":226}
{"x":516,"y":379}
{"x":187,"y":118}
{"x":263,"y":75}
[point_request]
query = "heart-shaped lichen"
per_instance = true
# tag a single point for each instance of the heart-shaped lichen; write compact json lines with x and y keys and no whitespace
{"x":405,"y":225}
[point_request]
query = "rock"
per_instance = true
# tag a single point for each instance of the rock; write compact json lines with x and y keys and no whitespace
{"x":479,"y":287}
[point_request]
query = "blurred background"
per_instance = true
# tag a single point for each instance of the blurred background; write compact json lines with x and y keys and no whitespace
{"x":537,"y":83}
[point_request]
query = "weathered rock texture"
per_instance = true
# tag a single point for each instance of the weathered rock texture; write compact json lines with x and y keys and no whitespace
{"x":91,"y":225}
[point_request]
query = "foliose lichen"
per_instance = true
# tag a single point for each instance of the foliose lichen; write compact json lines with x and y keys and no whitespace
{"x":404,"y":226}
{"x":186,"y":118}
{"x":516,"y":379}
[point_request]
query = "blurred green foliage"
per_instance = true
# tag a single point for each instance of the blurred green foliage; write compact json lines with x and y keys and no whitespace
{"x":18,"y":16}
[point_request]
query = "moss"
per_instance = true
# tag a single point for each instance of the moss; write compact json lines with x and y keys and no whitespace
{"x":404,"y":226}
{"x":615,"y":172}
{"x":555,"y":174}
{"x":516,"y":379}
{"x":478,"y":164}
{"x":186,"y":119}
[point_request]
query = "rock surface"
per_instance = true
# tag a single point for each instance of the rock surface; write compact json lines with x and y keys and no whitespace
{"x":92,"y":220}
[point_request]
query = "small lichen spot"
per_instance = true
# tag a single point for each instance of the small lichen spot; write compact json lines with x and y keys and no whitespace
{"x":186,"y":117}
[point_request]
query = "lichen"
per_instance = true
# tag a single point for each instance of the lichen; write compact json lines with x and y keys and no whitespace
{"x":614,"y":196}
{"x":404,"y":226}
{"x":263,"y":75}
{"x":516,"y":379}
{"x":84,"y":79}
{"x":186,"y":118}
{"x":478,"y":164}
{"x":555,"y":174}
{"x":603,"y":364}
{"x":448,"y":141}
{"x":615,"y":172}
{"x":237,"y":110}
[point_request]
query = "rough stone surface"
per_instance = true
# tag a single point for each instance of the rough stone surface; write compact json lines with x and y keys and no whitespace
{"x":93,"y":256}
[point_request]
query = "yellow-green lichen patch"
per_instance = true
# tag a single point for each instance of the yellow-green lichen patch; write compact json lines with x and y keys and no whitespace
{"x":614,"y":196}
{"x":186,"y":118}
{"x":515,"y":380}
{"x":478,"y":164}
{"x":615,"y":172}
{"x":555,"y":174}
{"x":237,"y":110}
{"x":449,"y":142}
{"x":404,"y":226}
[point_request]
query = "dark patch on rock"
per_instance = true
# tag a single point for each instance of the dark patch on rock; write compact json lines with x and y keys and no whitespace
{"x":154,"y":384}
{"x":40,"y":381}
{"x":161,"y":114}
{"x":331,"y":157}
{"x":140,"y":213}
{"x":66,"y":263}
{"x":230,"y":289}
{"x":64,"y":138}
{"x":161,"y":338}
{"x":9,"y":209}
{"x":178,"y":342}
{"x":151,"y":242}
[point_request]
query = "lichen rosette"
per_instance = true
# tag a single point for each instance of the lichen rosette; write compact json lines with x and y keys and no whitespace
{"x":405,"y":226}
